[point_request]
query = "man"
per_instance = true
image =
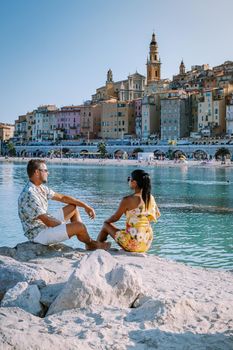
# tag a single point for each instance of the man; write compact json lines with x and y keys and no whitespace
{"x":41,"y":227}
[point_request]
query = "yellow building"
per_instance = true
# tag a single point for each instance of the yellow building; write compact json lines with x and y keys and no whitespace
{"x":117,"y":119}
{"x":30,"y":119}
{"x":86,"y":120}
{"x":97,"y":113}
{"x":212,"y":111}
{"x":6,"y":131}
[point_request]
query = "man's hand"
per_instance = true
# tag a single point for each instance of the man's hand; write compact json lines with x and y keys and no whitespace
{"x":90,"y":212}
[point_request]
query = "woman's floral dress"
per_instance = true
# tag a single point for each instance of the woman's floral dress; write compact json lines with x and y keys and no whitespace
{"x":138,"y":234}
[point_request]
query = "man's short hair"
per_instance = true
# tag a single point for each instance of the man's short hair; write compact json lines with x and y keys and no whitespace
{"x":33,"y":165}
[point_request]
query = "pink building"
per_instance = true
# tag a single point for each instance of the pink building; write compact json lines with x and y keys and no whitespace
{"x":68,"y":121}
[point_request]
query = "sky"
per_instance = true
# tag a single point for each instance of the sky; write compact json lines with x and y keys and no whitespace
{"x":58,"y":51}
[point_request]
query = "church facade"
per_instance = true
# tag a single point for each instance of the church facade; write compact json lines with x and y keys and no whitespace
{"x":136,"y":85}
{"x":125,"y":90}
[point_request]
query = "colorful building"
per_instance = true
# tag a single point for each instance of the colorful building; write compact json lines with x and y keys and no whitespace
{"x":229,"y":115}
{"x":174,"y":115}
{"x":44,"y":127}
{"x":138,"y":117}
{"x":150,"y":115}
{"x":67,"y":120}
{"x":212,"y":112}
{"x":6,"y":131}
{"x":117,"y":119}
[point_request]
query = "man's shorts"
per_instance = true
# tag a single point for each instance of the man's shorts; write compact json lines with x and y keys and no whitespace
{"x":55,"y":234}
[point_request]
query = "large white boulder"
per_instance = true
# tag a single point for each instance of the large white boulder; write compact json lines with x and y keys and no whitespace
{"x":13,"y":271}
{"x":24,"y":296}
{"x":99,"y":280}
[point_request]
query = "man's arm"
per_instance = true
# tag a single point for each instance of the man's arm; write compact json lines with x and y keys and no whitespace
{"x":48,"y":220}
{"x":71,"y":200}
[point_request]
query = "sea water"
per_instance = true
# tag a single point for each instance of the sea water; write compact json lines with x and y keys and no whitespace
{"x":196,"y":204}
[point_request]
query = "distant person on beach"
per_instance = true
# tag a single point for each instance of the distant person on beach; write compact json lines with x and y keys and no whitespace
{"x":41,"y":227}
{"x":140,"y":209}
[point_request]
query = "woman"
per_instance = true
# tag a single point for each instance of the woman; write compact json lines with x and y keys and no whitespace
{"x":140,"y":209}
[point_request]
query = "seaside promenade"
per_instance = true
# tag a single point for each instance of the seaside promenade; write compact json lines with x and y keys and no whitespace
{"x":126,"y":162}
{"x":206,"y":150}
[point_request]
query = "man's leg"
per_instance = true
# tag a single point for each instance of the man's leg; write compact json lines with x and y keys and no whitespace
{"x":79,"y":230}
{"x":71,"y":212}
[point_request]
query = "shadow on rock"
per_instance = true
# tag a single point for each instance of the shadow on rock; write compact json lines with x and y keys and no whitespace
{"x":28,"y":250}
{"x":157,"y":339}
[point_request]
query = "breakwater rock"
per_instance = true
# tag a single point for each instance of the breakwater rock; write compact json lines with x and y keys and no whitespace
{"x":63,"y":298}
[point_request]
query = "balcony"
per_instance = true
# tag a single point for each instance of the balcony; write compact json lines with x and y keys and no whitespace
{"x":218,"y":97}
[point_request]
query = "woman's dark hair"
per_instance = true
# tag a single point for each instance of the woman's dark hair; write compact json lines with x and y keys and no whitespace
{"x":33,"y":165}
{"x":143,"y":181}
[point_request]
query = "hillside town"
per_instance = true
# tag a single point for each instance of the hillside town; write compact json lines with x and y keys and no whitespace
{"x":196,"y":103}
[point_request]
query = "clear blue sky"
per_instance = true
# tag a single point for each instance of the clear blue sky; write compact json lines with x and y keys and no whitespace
{"x":58,"y":51}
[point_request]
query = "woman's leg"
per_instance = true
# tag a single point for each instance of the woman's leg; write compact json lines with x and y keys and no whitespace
{"x":107,"y":229}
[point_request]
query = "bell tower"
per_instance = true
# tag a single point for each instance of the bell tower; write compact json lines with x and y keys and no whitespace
{"x":153,"y":62}
{"x":109,"y":85}
{"x":182,"y":68}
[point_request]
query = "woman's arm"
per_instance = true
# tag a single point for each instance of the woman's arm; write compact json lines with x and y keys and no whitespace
{"x":120,"y":211}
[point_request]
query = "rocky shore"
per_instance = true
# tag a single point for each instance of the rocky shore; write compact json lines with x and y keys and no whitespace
{"x":58,"y":297}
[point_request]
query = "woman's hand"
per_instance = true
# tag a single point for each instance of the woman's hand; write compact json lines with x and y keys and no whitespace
{"x":90,"y":212}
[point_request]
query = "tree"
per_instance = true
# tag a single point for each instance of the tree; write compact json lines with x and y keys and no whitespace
{"x":102,"y":149}
{"x":222,"y":152}
{"x":11,"y":149}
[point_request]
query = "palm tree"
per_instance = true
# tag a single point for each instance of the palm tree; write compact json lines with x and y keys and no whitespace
{"x":102,"y":149}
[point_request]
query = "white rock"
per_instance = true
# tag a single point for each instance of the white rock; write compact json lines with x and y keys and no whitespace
{"x":50,"y":292}
{"x":28,"y":250}
{"x":23,"y":331}
{"x":99,"y":280}
{"x":24,"y":296}
{"x":184,"y":308}
{"x":12,"y":272}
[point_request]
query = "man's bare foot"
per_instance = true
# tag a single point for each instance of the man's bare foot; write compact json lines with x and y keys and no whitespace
{"x":93,"y":245}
